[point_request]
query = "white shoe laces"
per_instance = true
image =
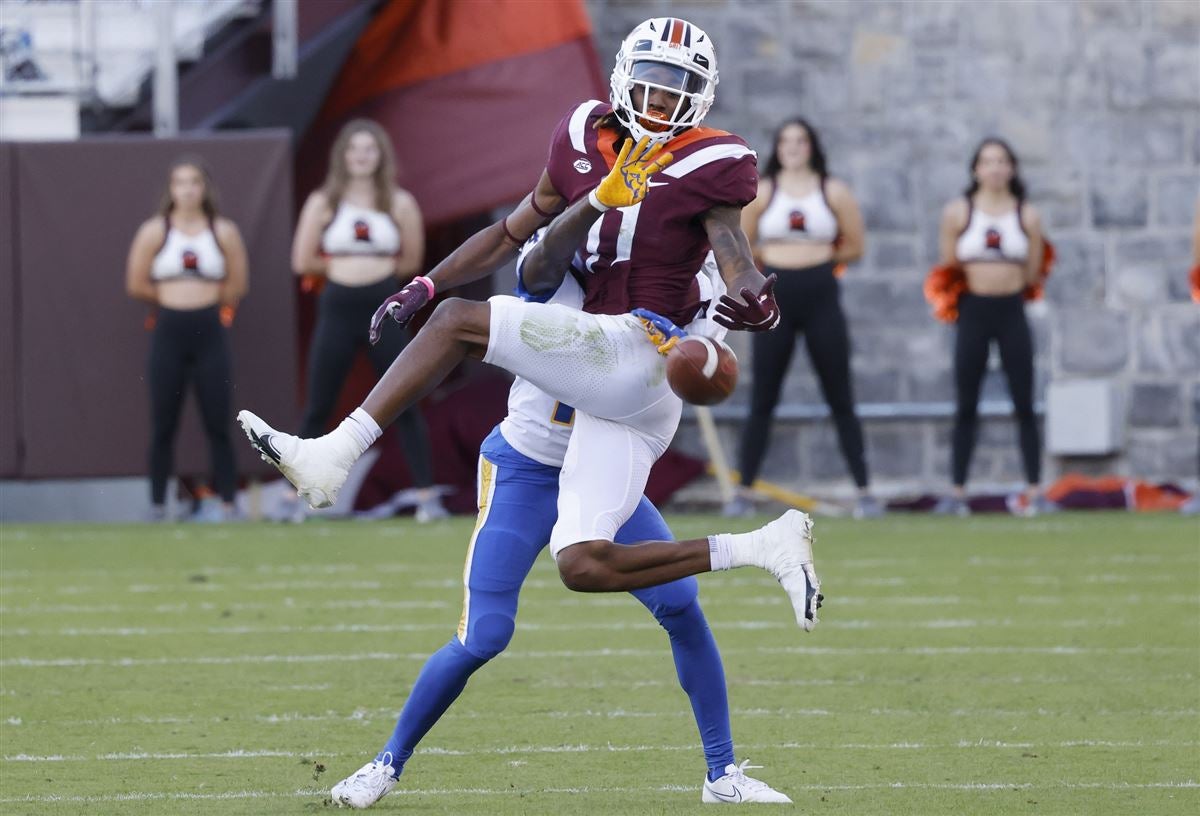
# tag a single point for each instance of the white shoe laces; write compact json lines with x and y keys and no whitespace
{"x":749,"y":781}
{"x":369,"y":774}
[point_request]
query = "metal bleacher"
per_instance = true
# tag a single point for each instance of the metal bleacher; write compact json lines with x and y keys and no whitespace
{"x":58,"y":57}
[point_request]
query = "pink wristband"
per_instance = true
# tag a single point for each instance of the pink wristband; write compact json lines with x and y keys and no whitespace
{"x":428,"y":284}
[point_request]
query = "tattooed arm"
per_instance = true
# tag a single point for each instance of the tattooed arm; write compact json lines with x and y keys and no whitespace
{"x":732,"y":249}
{"x":753,"y":308}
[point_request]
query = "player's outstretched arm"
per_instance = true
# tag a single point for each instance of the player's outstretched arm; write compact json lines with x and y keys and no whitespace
{"x":479,"y":256}
{"x":492,"y":247}
{"x":754,"y":307}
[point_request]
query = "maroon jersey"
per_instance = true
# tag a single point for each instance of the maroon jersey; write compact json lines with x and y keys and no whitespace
{"x":646,"y":256}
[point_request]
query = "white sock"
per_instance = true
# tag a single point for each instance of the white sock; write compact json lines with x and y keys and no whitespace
{"x":361,"y":428}
{"x":718,"y":551}
{"x":730,"y":550}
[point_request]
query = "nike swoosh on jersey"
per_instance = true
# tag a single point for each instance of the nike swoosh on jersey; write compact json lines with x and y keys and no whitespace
{"x":657,"y":183}
{"x":736,"y":797}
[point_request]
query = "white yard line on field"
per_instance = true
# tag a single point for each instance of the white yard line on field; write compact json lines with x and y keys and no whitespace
{"x":614,"y":626}
{"x":388,"y":714}
{"x":186,"y":607}
{"x":829,"y":651}
{"x":681,"y":789}
{"x":711,"y":599}
{"x":609,"y":748}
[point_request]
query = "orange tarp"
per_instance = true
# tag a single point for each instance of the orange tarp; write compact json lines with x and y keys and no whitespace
{"x":411,"y":41}
{"x":1139,"y":494}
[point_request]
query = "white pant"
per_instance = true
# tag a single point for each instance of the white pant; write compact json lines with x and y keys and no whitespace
{"x":608,"y":370}
{"x":602,"y":480}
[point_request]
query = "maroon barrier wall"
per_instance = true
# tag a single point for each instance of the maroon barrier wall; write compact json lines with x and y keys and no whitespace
{"x":9,"y":456}
{"x":80,"y":399}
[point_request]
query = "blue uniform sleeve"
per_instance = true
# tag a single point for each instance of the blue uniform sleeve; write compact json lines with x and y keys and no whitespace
{"x":520,"y":290}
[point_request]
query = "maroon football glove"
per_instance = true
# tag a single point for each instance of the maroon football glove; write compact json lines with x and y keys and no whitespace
{"x":401,"y":306}
{"x":753,"y":313}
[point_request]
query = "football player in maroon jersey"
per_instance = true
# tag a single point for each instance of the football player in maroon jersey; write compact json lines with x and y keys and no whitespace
{"x":597,"y":360}
{"x":662,"y":86}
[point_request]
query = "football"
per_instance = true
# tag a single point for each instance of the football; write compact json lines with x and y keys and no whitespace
{"x":701,"y":370}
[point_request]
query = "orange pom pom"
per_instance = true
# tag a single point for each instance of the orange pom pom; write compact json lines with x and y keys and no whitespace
{"x":1034,"y":291}
{"x":943,"y":287}
{"x":312,"y":284}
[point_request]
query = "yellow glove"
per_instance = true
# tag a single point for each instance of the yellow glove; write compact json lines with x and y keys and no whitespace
{"x":626,"y":184}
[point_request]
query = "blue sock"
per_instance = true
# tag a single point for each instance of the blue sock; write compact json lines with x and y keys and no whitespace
{"x":702,"y":676}
{"x":442,"y":679}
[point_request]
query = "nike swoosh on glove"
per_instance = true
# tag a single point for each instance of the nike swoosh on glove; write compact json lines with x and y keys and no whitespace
{"x":401,"y":306}
{"x":753,"y":313}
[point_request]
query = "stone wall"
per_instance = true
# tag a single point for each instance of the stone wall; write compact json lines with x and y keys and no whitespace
{"x":1101,"y":101}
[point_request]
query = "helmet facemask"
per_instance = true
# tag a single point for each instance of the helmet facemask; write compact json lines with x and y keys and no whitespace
{"x":662,"y":98}
{"x":659,"y":87}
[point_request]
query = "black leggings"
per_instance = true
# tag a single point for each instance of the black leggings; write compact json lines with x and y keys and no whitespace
{"x":982,"y":319}
{"x":809,"y":302}
{"x":343,"y":317}
{"x":190,"y":345}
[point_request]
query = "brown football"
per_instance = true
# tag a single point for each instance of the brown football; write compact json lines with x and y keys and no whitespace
{"x":701,"y":370}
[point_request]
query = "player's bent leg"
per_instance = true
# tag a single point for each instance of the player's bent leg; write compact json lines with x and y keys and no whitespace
{"x":783,"y":548}
{"x":602,"y":365}
{"x":604,"y":473}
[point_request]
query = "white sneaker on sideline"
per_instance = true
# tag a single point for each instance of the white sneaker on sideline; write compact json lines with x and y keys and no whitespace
{"x":739,"y":506}
{"x":429,"y":504}
{"x":431,"y":509}
{"x":735,"y":788}
{"x":785,"y":551}
{"x":316,"y":467}
{"x":366,"y":786}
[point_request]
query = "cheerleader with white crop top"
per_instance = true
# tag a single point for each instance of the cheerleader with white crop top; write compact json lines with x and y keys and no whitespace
{"x":802,"y":226}
{"x":995,"y":237}
{"x":364,"y":235}
{"x":190,"y":263}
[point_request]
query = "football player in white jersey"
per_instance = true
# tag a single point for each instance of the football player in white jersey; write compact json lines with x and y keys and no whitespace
{"x":519,"y":466}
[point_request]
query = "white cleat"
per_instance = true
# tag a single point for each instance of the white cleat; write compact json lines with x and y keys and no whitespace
{"x":786,"y":552}
{"x":366,"y":786}
{"x":735,"y":788}
{"x":317,"y":467}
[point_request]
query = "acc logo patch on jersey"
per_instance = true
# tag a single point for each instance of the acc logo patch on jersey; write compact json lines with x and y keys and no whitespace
{"x":583,"y":165}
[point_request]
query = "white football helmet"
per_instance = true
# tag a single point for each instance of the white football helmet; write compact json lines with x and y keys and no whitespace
{"x":671,"y":55}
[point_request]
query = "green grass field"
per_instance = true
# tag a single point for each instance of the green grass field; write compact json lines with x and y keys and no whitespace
{"x":976,"y":666}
